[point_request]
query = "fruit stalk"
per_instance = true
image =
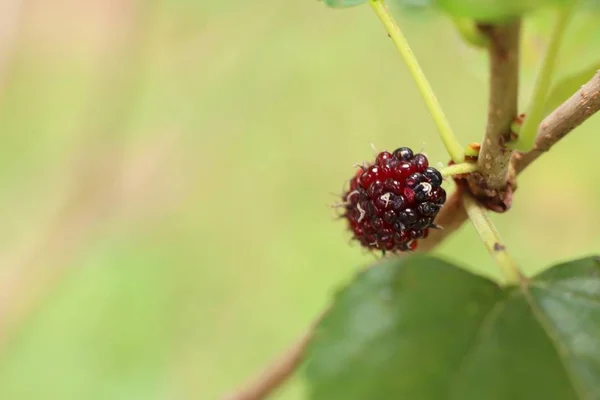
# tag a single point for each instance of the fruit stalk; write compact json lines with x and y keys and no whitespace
{"x":455,"y":150}
{"x":459,"y":169}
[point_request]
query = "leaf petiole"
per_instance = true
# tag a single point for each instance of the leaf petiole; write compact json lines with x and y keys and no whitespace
{"x":455,"y":150}
{"x":491,"y":238}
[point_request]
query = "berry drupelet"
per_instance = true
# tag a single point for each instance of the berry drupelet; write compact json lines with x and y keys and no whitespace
{"x":393,"y":202}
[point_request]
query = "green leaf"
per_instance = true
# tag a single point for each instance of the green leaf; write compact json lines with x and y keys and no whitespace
{"x":343,"y":3}
{"x":493,"y":10}
{"x":423,"y":329}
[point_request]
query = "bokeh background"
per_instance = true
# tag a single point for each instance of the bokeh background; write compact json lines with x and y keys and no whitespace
{"x":166,"y":171}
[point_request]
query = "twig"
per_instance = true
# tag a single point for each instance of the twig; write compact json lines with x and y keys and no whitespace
{"x":491,"y":238}
{"x":455,"y":150}
{"x":279,"y":370}
{"x":542,"y":86}
{"x":503,"y":51}
{"x":569,"y":115}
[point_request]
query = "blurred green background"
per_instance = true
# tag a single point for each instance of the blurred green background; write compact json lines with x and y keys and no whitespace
{"x":165,"y":174}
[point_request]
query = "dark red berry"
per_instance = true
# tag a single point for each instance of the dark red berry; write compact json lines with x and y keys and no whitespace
{"x":377,"y":223}
{"x":408,"y":216}
{"x":389,"y":245}
{"x":401,"y":237}
{"x":409,"y":195}
{"x":389,"y":217}
{"x":382,"y":158}
{"x":416,"y":233}
{"x":399,"y":202}
{"x":358,"y":231}
{"x":398,"y":226}
{"x":385,"y":201}
{"x":427,"y":209}
{"x":392,"y":203}
{"x":370,"y":175}
{"x":403,"y":169}
{"x":393,"y":185}
{"x":420,"y":161}
{"x":433,"y":176}
{"x":375,"y":189}
{"x":422,"y":191}
{"x":438,"y":196}
{"x":414,"y":179}
{"x":403,"y":153}
{"x":370,"y":208}
{"x":391,"y":162}
{"x":424,"y":223}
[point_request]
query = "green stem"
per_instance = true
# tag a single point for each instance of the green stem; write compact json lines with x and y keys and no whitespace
{"x":457,"y":169}
{"x":455,"y":150}
{"x":543,"y":83}
{"x":490,"y":237}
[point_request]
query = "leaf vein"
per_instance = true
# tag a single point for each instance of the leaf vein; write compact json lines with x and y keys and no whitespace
{"x":563,"y":351}
{"x":481,"y":334}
